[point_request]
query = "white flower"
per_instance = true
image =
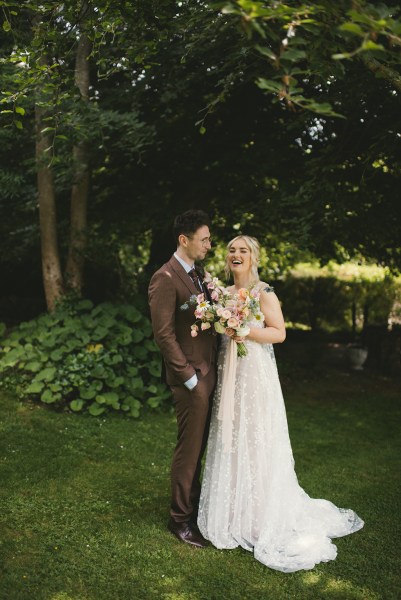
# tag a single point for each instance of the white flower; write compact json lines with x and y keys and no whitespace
{"x":219,"y":327}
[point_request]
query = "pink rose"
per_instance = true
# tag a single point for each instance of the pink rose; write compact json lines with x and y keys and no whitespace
{"x":205,"y":326}
{"x":226,"y":314}
{"x":233,"y":323}
{"x":214,"y":295}
{"x":194,"y":333}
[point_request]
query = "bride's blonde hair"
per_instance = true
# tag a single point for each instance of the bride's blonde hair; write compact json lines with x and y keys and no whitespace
{"x":253,"y":247}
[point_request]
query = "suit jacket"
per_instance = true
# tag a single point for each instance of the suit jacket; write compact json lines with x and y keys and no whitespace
{"x":170,"y":288}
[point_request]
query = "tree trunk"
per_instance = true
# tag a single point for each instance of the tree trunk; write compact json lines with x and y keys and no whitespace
{"x":81,"y":175}
{"x":51,"y":269}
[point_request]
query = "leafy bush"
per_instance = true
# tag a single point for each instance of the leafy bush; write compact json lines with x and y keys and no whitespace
{"x":339,"y":297}
{"x":86,"y":358}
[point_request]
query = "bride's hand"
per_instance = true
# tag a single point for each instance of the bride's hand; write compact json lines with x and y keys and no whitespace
{"x":231,"y":334}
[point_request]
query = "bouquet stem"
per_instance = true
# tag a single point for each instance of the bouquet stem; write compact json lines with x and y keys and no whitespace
{"x":241,"y":349}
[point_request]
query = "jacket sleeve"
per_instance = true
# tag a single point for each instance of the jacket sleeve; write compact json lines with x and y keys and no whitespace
{"x":162,"y":302}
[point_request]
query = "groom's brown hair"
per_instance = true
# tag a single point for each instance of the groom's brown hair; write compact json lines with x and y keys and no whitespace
{"x":189,"y":222}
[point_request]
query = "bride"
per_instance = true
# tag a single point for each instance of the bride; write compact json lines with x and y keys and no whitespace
{"x":250,"y":493}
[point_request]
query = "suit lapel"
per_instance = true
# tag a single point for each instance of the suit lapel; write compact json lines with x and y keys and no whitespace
{"x":183,"y":275}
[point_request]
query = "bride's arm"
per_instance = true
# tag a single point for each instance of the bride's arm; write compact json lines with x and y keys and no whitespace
{"x":274,"y":330}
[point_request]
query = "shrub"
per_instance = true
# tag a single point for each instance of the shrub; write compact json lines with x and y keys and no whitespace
{"x":339,"y":297}
{"x":83,"y":357}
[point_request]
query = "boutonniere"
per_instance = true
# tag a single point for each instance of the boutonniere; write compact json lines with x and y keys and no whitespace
{"x":201,"y":273}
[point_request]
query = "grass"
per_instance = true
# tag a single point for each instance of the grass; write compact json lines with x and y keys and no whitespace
{"x":84,"y":501}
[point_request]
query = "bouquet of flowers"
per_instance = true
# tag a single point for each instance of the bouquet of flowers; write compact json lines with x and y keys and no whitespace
{"x":226,"y":313}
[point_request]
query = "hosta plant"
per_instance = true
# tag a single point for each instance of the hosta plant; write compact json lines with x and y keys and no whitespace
{"x":96,"y":359}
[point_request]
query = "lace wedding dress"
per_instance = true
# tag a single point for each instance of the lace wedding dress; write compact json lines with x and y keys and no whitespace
{"x":250,"y":493}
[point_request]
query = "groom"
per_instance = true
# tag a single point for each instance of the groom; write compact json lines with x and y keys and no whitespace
{"x":190,"y":367}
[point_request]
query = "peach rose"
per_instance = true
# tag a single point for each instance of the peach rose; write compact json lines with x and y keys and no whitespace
{"x":233,"y":322}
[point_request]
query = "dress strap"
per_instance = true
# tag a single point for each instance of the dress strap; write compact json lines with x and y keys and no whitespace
{"x":263,"y":287}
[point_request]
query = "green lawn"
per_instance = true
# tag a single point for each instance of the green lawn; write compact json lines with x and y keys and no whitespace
{"x":84,"y":502}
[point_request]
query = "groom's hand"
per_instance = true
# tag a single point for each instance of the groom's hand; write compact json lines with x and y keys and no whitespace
{"x":191,"y":383}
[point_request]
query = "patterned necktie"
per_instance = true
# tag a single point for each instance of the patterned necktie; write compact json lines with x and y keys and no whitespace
{"x":193,"y":275}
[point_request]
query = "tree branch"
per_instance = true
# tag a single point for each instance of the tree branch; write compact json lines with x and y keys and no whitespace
{"x":377,"y":68}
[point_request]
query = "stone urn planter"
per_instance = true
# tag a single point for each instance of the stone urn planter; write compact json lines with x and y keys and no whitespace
{"x":357,"y":356}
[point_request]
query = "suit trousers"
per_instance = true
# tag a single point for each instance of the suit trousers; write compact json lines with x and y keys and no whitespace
{"x":193,"y":410}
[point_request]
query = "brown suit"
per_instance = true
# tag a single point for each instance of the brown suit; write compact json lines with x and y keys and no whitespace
{"x":170,"y":288}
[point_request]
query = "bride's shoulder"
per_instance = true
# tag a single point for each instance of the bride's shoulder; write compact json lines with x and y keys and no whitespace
{"x":261,"y":286}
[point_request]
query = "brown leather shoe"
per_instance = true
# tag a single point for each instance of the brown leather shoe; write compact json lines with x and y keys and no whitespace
{"x":185,"y":533}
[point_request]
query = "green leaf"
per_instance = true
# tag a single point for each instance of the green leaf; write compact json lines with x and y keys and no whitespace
{"x":88,"y":393}
{"x":95,"y":409}
{"x":293,"y":54}
{"x":35,"y":387}
{"x":33,"y":366}
{"x":132,"y":402}
{"x":7,"y":26}
{"x":57,"y":355}
{"x":137,"y":384}
{"x":352,"y":28}
{"x":99,"y":333}
{"x":18,"y":124}
{"x":99,"y":372}
{"x":137,"y":336}
{"x":202,"y":130}
{"x":107,"y":398}
{"x":369,"y":45}
{"x":76,"y":405}
{"x":20,"y":110}
{"x":117,"y":381}
{"x":46,"y":374}
{"x":131,"y":313}
{"x":55,"y":387}
{"x":124,"y":339}
{"x":154,"y":401}
{"x":151,"y":346}
{"x":11,"y":358}
{"x":155,"y":369}
{"x":269,"y":84}
{"x":49,"y":397}
{"x":266,"y":52}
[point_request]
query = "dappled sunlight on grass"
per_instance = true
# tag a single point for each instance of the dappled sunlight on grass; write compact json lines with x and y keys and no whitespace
{"x":330,"y":587}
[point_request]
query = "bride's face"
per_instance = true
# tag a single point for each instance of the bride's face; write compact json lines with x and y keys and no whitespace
{"x":239,"y":257}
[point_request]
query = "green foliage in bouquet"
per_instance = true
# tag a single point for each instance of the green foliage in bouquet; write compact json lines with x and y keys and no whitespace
{"x":82,"y":357}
